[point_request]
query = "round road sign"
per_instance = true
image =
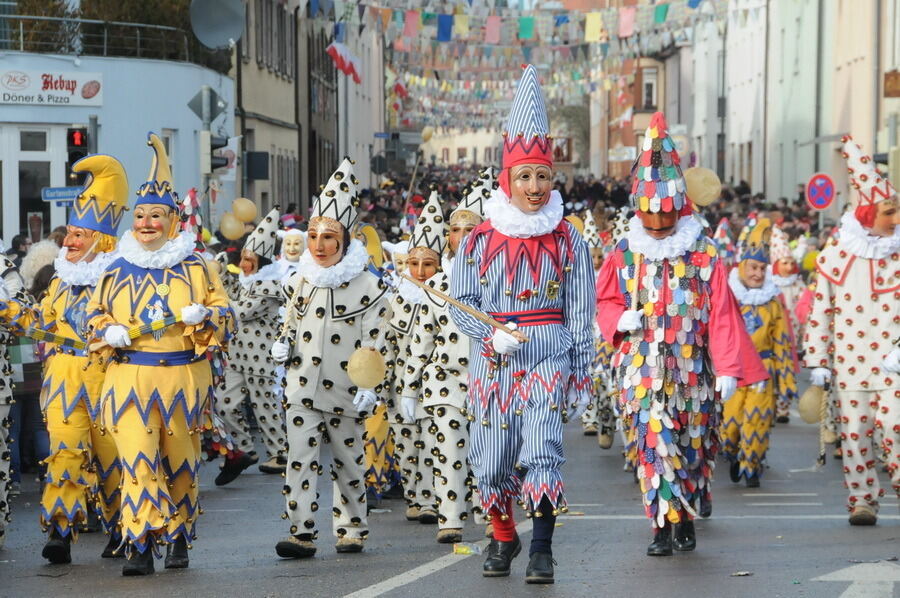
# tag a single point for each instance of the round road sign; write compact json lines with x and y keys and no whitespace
{"x":820,"y":191}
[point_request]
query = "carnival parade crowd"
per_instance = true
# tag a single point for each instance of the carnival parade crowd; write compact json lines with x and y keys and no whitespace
{"x":439,"y":343}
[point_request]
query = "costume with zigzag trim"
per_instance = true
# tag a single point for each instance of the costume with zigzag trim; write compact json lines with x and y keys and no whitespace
{"x":157,"y":391}
{"x":747,"y":417}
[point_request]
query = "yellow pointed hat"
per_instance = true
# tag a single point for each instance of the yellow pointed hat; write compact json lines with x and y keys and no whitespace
{"x":159,"y":188}
{"x":104,"y":199}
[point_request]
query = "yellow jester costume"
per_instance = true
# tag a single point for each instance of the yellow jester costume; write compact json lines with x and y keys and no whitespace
{"x":159,"y":383}
{"x":747,"y":417}
{"x":83,"y":466}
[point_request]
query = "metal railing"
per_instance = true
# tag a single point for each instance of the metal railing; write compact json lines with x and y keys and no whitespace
{"x":90,"y":37}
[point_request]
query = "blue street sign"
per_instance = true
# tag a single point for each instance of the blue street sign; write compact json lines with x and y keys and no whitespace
{"x":381,"y":135}
{"x":60,"y":194}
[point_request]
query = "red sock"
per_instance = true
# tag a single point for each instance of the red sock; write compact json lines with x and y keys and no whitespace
{"x":504,"y":531}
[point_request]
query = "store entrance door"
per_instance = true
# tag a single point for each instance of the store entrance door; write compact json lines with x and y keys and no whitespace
{"x":31,"y":157}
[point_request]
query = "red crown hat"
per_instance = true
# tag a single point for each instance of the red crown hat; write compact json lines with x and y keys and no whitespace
{"x":526,"y":139}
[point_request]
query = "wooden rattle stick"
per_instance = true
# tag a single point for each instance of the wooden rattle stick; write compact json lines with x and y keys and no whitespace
{"x":483,"y":317}
{"x":137,"y":331}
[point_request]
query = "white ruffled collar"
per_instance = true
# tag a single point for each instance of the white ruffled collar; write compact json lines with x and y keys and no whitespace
{"x":746,"y":296}
{"x":687,"y":231}
{"x":334,"y":276}
{"x":410,"y":292}
{"x":174,"y":251}
{"x":271,"y":271}
{"x":783,"y":281}
{"x":513,"y":222}
{"x":82,"y":274}
{"x":857,"y":240}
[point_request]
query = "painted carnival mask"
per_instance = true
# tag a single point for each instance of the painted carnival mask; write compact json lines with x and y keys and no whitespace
{"x":153,"y":224}
{"x":79,"y":243}
{"x":659,"y":225}
{"x":249,"y":263}
{"x":530,"y":186}
{"x":886,"y":218}
{"x":422,"y":263}
{"x":292,"y":247}
{"x":753,"y":273}
{"x":326,"y":239}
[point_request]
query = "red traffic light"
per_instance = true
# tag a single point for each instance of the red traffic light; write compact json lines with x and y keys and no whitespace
{"x":77,"y":138}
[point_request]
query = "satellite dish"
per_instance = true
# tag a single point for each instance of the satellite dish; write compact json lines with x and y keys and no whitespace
{"x":217,"y":23}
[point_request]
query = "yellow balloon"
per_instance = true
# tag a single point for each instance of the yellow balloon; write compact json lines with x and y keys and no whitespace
{"x":232,"y":228}
{"x":810,"y":404}
{"x":577,"y":222}
{"x":703,"y":185}
{"x":366,"y":367}
{"x":206,"y":235}
{"x":809,"y":261}
{"x":244,"y":210}
{"x":427,"y":133}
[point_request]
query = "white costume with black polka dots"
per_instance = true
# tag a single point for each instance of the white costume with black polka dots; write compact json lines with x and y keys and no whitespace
{"x":251,"y":370}
{"x":326,"y":325}
{"x":436,"y":371}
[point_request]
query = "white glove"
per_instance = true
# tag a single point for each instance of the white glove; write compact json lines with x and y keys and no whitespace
{"x":193,"y":314}
{"x":364,"y":400}
{"x":759,"y":387}
{"x":280,"y":351}
{"x":4,"y":292}
{"x":726,"y":385}
{"x":630,"y":320}
{"x":820,"y":376}
{"x":505,"y":344}
{"x":892,"y":362}
{"x":116,"y":336}
{"x":408,"y":409}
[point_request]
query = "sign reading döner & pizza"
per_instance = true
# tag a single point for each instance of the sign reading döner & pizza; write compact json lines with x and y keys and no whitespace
{"x":51,"y":88}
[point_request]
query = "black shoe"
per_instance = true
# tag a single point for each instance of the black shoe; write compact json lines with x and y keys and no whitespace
{"x":177,"y":554}
{"x":540,"y":568}
{"x":296,"y":547}
{"x":500,"y":556}
{"x":58,"y":549}
{"x":734,"y":472}
{"x":394,"y":493}
{"x":684,"y":536}
{"x":112,"y":548}
{"x":428,"y":516}
{"x":783,"y":419}
{"x":705,"y":506}
{"x":753,"y":481}
{"x":233,"y":468}
{"x":140,"y":563}
{"x":662,"y":542}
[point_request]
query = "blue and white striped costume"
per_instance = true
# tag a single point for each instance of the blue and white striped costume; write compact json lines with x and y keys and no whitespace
{"x":516,"y":403}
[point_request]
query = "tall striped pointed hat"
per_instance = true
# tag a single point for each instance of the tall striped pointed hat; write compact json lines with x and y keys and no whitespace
{"x":658,"y":183}
{"x":526,"y":137}
{"x":103,"y":201}
{"x":431,"y":229}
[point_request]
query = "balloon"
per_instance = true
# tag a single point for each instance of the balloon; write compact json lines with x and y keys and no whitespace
{"x":231,"y":228}
{"x":206,"y":235}
{"x":703,"y":185}
{"x":810,"y":405}
{"x":244,"y":210}
{"x":577,"y":222}
{"x":427,"y":133}
{"x":809,"y":261}
{"x":366,"y":367}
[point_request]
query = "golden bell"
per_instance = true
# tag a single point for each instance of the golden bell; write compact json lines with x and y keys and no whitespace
{"x":810,"y":405}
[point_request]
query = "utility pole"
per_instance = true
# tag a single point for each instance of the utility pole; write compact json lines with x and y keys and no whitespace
{"x":93,"y":132}
{"x":206,"y":118}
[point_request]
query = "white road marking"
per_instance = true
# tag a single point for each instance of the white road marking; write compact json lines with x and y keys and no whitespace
{"x":715,"y":517}
{"x":585,"y":504}
{"x":868,"y":580}
{"x":785,"y":504}
{"x":772,"y":494}
{"x":224,"y":510}
{"x":448,"y":560}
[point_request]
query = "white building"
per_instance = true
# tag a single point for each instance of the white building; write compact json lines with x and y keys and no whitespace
{"x":706,"y":97}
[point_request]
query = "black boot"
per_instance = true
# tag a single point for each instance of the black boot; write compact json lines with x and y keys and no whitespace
{"x":58,"y":549}
{"x":91,"y":525}
{"x":684,"y":536}
{"x":233,"y":468}
{"x":112,"y":548}
{"x":662,"y":542}
{"x":139,"y":563}
{"x":500,"y":556}
{"x":540,"y":568}
{"x":753,"y":481}
{"x":734,"y":472}
{"x":177,"y":554}
{"x":705,"y":505}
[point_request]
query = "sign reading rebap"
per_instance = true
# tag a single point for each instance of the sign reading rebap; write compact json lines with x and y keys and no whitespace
{"x":51,"y":88}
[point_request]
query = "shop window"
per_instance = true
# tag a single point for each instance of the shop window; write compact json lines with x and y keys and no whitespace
{"x":649,"y":87}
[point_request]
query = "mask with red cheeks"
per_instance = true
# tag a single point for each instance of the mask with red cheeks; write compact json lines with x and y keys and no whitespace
{"x":422,"y":263}
{"x":530,"y":186}
{"x":78,"y":243}
{"x":752,"y":273}
{"x":884,"y":218}
{"x":659,"y":225}
{"x":249,"y":262}
{"x":785,"y":266}
{"x":152,"y":224}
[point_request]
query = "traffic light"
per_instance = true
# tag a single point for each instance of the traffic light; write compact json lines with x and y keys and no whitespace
{"x":76,"y":149}
{"x":208,"y":144}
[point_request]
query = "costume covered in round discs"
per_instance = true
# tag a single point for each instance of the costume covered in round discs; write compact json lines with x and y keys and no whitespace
{"x":157,"y":389}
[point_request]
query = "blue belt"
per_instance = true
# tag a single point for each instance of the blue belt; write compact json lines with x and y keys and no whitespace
{"x":767,"y":354}
{"x":163,"y":358}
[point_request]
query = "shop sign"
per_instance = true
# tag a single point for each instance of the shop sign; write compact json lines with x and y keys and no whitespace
{"x":51,"y":88}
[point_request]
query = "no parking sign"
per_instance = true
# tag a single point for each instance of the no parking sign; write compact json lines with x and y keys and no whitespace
{"x":820,"y":191}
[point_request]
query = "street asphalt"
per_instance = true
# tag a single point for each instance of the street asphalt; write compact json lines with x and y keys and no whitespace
{"x":771,"y":541}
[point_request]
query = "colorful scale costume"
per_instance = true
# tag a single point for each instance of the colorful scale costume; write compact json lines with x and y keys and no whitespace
{"x":853,"y":323}
{"x":747,"y":417}
{"x":251,"y":372}
{"x":333,"y":311}
{"x":534,"y":270}
{"x":691,"y":331}
{"x":157,"y":390}
{"x":792,"y":287}
{"x":435,"y":375}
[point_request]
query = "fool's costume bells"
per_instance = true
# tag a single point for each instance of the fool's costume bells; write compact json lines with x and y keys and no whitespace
{"x":534,"y":270}
{"x":747,"y":417}
{"x":251,"y":371}
{"x":853,"y":324}
{"x":335,"y":311}
{"x":157,"y":390}
{"x":690,"y":331}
